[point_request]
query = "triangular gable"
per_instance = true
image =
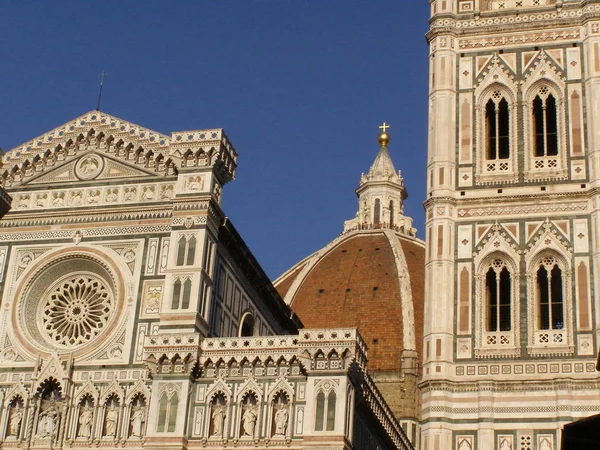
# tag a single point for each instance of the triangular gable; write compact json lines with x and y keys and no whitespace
{"x":495,"y":72}
{"x":138,"y":149}
{"x":91,"y":166}
{"x":139,"y":388}
{"x":250,"y":385}
{"x":548,"y":237}
{"x":87,"y":389}
{"x":543,"y":68}
{"x":17,"y":390}
{"x":112,"y":388}
{"x":219,"y":386}
{"x":281,"y":385}
{"x":55,"y":368}
{"x":102,"y":123}
{"x":497,"y":239}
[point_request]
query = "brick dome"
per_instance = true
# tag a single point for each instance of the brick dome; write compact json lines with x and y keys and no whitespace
{"x":368,"y":279}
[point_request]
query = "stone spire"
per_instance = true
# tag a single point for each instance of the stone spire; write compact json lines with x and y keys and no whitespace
{"x":381,"y":194}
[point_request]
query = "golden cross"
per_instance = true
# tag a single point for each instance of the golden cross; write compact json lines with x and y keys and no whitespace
{"x":384,"y":126}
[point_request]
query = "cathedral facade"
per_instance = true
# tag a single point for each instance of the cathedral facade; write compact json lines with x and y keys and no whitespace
{"x":133,"y":314}
{"x":512,"y":209}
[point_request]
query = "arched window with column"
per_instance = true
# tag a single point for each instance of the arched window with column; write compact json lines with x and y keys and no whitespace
{"x":545,"y":125}
{"x":496,"y":119}
{"x":550,"y":309}
{"x":498,"y":297}
{"x":497,"y":305}
{"x":549,"y":294}
{"x":545,"y":131}
{"x":497,"y":123}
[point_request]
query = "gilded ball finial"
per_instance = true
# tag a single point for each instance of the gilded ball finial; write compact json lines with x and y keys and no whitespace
{"x":384,"y":137}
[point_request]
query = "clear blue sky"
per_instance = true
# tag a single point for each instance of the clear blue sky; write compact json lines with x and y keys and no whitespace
{"x":300,"y":88}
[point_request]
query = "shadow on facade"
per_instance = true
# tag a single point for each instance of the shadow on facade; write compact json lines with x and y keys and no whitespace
{"x":582,"y":434}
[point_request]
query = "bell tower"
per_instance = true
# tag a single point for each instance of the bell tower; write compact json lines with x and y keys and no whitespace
{"x":513,"y":170}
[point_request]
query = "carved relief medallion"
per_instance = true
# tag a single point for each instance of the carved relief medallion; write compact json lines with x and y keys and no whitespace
{"x":89,"y":167}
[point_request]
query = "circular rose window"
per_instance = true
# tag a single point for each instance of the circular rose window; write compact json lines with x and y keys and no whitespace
{"x":69,"y":304}
{"x":76,"y":309}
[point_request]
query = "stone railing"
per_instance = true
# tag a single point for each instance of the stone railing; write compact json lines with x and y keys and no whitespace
{"x":313,"y":340}
{"x":384,"y":414}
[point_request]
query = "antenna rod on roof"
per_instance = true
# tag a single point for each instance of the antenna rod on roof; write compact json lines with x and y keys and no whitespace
{"x":102,"y":75}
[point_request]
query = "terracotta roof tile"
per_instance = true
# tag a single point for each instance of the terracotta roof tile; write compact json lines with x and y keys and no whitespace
{"x":356,"y":285}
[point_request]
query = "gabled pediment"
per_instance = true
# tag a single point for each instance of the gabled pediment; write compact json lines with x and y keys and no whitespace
{"x":495,"y":71}
{"x":117,"y":148}
{"x":90,"y":166}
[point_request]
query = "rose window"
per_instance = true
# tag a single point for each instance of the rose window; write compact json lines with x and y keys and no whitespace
{"x":77,"y":309}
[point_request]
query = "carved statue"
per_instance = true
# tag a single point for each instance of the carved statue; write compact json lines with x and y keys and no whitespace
{"x":545,"y":445}
{"x":281,"y":418}
{"x":112,"y":195}
{"x":249,"y":419}
{"x":130,"y":194}
{"x":89,"y":166}
{"x":85,"y":422}
{"x":505,"y":445}
{"x":16,"y":417}
{"x":137,"y":421}
{"x":112,"y":417}
{"x":48,"y":421}
{"x":218,"y":417}
{"x":194,"y":183}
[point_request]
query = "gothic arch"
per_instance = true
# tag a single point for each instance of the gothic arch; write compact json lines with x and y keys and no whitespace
{"x":552,"y":268}
{"x":497,"y":300}
{"x":496,"y":148}
{"x":551,"y":164}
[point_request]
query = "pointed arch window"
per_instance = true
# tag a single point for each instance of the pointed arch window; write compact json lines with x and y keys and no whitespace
{"x":325,"y":413}
{"x":186,"y":251}
{"x":377,"y":212}
{"x":167,"y":413}
{"x":550,"y":309}
{"x":545,"y":124}
{"x":497,"y":127}
{"x":549,"y":292}
{"x":498,"y":297}
{"x":181,"y":294}
{"x":176,"y":294}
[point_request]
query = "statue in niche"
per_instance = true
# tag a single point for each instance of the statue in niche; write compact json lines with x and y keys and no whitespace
{"x":48,"y":421}
{"x":16,"y":417}
{"x":545,"y":445}
{"x":218,"y":416}
{"x":85,"y":422}
{"x":137,"y":421}
{"x":112,"y":418}
{"x":281,"y":417}
{"x":249,"y":417}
